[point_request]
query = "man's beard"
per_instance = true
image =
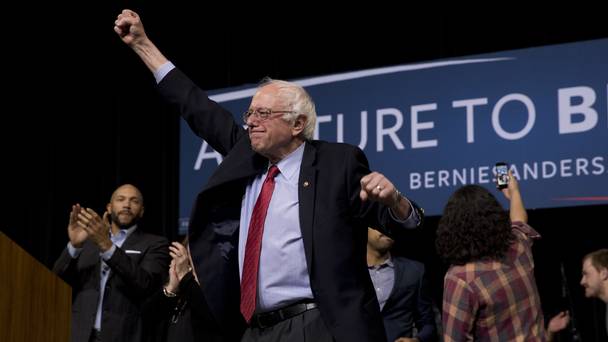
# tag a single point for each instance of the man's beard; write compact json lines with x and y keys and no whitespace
{"x":114,"y":217}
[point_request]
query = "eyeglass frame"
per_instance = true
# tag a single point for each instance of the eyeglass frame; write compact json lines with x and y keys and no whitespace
{"x":266,"y":115}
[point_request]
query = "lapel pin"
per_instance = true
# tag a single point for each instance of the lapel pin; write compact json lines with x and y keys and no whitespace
{"x":306,"y":184}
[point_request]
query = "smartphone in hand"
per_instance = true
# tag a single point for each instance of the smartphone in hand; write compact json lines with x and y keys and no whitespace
{"x":502,"y":175}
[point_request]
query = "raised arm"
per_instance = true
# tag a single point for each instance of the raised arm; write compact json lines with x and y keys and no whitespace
{"x":517,"y":211}
{"x":65,"y":266}
{"x":129,"y":27}
{"x":205,"y":117}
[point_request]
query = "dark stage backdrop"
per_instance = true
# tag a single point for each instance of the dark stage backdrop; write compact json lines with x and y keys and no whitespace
{"x":81,"y":116}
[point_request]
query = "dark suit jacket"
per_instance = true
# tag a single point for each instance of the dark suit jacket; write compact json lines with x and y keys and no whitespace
{"x":333,"y":220}
{"x":183,"y":318}
{"x":409,"y":303}
{"x":133,"y":277}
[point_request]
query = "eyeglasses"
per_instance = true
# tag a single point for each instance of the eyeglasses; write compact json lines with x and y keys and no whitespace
{"x":263,"y":114}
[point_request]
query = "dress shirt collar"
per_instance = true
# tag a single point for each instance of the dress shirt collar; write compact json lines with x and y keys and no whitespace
{"x":386,"y":263}
{"x":123,"y":234}
{"x":290,"y":165}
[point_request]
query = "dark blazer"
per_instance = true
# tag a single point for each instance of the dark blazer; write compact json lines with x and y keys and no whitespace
{"x":183,"y":318}
{"x":133,"y":277}
{"x":333,"y":220}
{"x":409,"y":303}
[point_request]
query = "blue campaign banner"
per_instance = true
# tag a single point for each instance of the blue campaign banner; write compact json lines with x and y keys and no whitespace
{"x":433,"y":127}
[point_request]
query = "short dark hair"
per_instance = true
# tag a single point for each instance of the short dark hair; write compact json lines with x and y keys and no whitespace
{"x":474,"y":226}
{"x":599,"y":258}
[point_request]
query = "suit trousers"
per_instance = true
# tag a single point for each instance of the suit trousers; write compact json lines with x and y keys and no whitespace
{"x":305,"y":327}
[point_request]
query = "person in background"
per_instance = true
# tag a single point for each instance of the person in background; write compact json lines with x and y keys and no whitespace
{"x":490,"y":291}
{"x":112,"y":266}
{"x":401,"y":288}
{"x":595,"y":277}
{"x":175,"y":293}
{"x":176,"y":308}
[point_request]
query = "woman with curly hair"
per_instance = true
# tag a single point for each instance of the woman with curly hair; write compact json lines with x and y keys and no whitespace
{"x":490,"y":292}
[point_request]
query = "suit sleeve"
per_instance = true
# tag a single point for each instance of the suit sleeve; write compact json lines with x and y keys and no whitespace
{"x":206,"y":118}
{"x":65,"y":267}
{"x":205,"y":326}
{"x":423,"y":315}
{"x":459,"y":310}
{"x":146,"y":277}
{"x":374,"y":214}
{"x":192,"y":291}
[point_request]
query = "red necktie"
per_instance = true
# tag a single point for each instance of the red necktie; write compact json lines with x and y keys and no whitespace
{"x":249,"y":279}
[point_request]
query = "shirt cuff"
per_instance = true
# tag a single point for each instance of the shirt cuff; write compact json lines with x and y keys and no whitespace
{"x":164,"y":69}
{"x":74,"y":252}
{"x":413,"y":214}
{"x":108,"y":254}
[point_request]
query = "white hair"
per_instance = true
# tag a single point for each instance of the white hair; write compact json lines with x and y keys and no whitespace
{"x":298,"y":100}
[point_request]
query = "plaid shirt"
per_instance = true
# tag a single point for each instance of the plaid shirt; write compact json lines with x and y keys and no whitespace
{"x":495,"y":300}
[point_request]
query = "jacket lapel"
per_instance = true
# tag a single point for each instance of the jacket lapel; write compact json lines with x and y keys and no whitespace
{"x":131,"y":243}
{"x":398,"y":279}
{"x":307,"y":185}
